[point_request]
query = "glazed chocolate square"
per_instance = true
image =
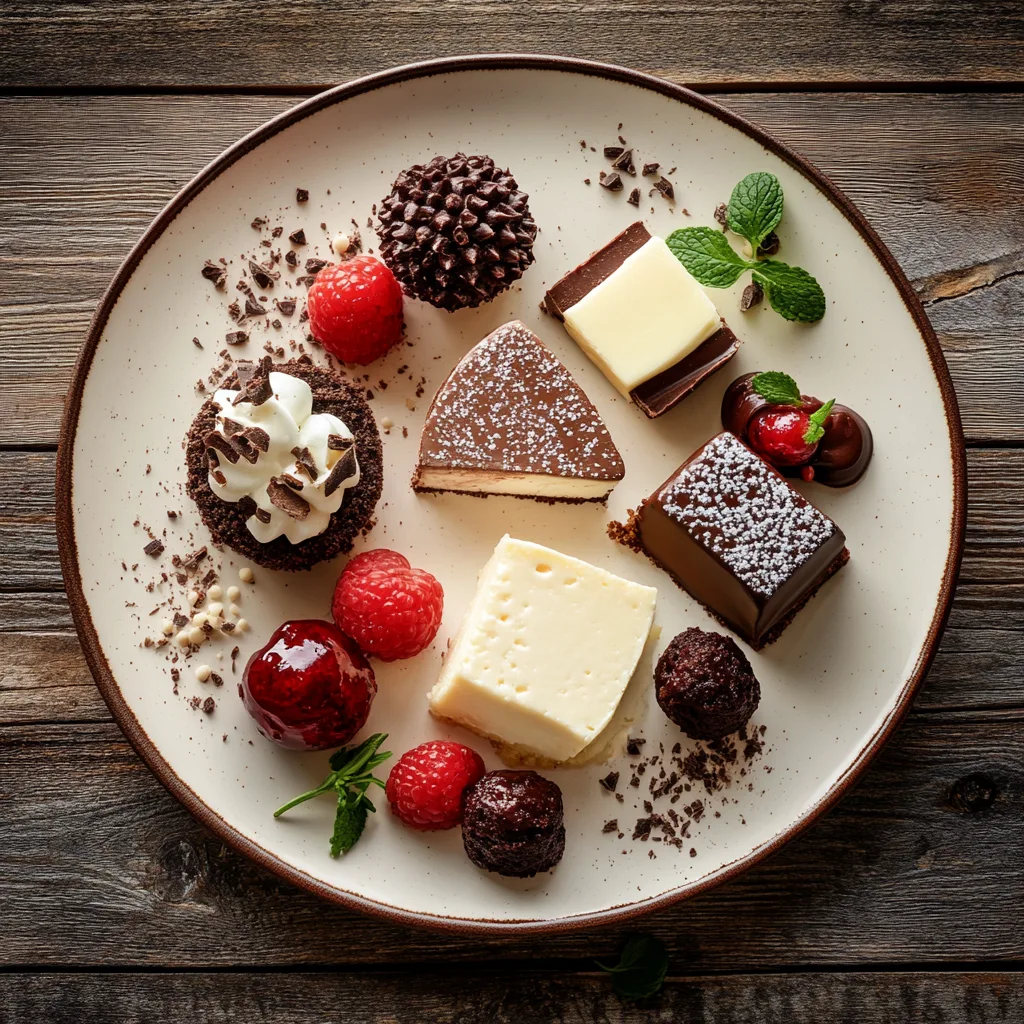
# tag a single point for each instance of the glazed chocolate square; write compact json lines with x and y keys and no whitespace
{"x":666,"y":389}
{"x":732,"y":531}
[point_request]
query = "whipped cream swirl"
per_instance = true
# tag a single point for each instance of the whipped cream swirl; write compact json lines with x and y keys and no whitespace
{"x":285,"y":463}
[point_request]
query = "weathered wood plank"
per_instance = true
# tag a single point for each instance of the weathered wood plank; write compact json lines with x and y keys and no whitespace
{"x":247,"y":43}
{"x":941,"y":177}
{"x":902,"y":871}
{"x":509,"y":997}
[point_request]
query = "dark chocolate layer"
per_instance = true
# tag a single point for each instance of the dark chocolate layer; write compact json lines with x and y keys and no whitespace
{"x":665,"y":390}
{"x":733,"y":533}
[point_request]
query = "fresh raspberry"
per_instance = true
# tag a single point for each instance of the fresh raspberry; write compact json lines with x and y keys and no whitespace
{"x":425,"y":786}
{"x":355,"y":309}
{"x":778,"y":434}
{"x":388,"y":608}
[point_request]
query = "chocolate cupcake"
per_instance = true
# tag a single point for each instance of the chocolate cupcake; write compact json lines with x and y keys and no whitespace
{"x":284,"y":463}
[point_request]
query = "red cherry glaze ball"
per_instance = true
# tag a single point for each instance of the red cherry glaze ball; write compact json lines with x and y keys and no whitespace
{"x":777,"y":433}
{"x":310,"y":687}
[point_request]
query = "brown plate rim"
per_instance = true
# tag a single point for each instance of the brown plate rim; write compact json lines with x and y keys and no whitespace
{"x":69,"y":556}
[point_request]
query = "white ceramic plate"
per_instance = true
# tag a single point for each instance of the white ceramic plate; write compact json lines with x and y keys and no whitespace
{"x":833,"y":687}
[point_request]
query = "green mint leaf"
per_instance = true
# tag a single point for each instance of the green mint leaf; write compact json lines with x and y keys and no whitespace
{"x":777,"y":388}
{"x":349,"y":823}
{"x":816,"y":431}
{"x":755,"y":207}
{"x":351,"y":760}
{"x":792,"y":292}
{"x":707,"y":255}
{"x":641,"y":969}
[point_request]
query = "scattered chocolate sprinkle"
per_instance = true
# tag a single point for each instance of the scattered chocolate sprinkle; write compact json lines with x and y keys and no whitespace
{"x":191,"y":563}
{"x":611,"y":826}
{"x":612,"y":182}
{"x":283,"y":497}
{"x":301,"y":195}
{"x":180,"y":620}
{"x":171,"y":514}
{"x":753,"y":295}
{"x":770,"y":246}
{"x":197,"y":343}
{"x":216,"y":679}
{"x":650,"y":169}
{"x":258,"y":223}
{"x":263,"y":276}
{"x":344,"y":468}
{"x":253,"y":308}
{"x":236,"y":337}
{"x":304,"y":460}
{"x":633,"y":745}
{"x":297,"y":237}
{"x":235,"y":311}
{"x":285,"y":306}
{"x":314,"y":265}
{"x":154,"y":548}
{"x":621,"y":139}
{"x":208,"y":705}
{"x":634,"y":197}
{"x":613,"y":152}
{"x":610,"y":781}
{"x":664,"y":186}
{"x":586,"y":181}
{"x":624,"y":162}
{"x":291,"y":257}
{"x":214,"y":272}
{"x":262,"y":515}
{"x":722,"y":215}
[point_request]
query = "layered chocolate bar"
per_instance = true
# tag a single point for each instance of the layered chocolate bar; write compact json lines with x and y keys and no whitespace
{"x":643,"y":319}
{"x":733,"y":532}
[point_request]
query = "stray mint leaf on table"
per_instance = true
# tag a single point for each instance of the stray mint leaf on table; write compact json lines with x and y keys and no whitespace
{"x":707,"y":255}
{"x":641,"y":969}
{"x":792,"y":292}
{"x":777,"y":388}
{"x":755,"y":207}
{"x":816,"y":431}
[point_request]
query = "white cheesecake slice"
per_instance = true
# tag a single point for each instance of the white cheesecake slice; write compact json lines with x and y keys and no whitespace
{"x":546,"y":651}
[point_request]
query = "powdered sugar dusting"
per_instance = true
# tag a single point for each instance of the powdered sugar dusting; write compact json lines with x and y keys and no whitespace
{"x":511,"y":406}
{"x":738,"y":508}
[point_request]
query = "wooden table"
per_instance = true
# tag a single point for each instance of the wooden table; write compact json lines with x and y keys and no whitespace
{"x":905,"y":903}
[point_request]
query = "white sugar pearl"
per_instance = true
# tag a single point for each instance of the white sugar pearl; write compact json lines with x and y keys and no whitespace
{"x":341,"y":244}
{"x":203,"y":673}
{"x":235,"y":610}
{"x":215,"y":609}
{"x":215,"y":621}
{"x":193,"y":597}
{"x":387,"y":423}
{"x":199,"y":619}
{"x":167,"y":628}
{"x":245,"y":574}
{"x":196,"y":636}
{"x":182,"y":638}
{"x":215,"y":593}
{"x":242,"y":625}
{"x":233,"y":593}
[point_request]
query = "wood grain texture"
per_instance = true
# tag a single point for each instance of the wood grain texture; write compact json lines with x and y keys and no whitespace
{"x":911,"y":867}
{"x":248,"y":43}
{"x":940,"y":177}
{"x":509,"y":997}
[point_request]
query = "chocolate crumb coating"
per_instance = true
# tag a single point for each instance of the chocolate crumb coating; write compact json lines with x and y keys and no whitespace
{"x":705,"y":685}
{"x":226,"y":521}
{"x":512,"y":823}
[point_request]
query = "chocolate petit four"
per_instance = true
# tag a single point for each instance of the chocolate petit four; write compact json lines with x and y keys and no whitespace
{"x":733,"y":532}
{"x":643,"y":319}
{"x":457,"y":231}
{"x":510,"y":419}
{"x":285,"y":463}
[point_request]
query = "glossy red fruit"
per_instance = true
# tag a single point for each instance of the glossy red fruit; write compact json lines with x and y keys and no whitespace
{"x":310,"y":687}
{"x":778,"y":433}
{"x":425,"y":786}
{"x":390,"y":609}
{"x":355,"y":309}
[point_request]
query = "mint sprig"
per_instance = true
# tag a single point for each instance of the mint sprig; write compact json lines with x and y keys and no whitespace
{"x":641,"y":969}
{"x":755,"y":209}
{"x":777,"y":387}
{"x":350,"y":777}
{"x":816,"y":430}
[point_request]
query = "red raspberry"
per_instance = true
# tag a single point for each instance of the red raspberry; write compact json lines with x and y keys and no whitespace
{"x":425,"y":786}
{"x":355,"y":309}
{"x":388,"y":608}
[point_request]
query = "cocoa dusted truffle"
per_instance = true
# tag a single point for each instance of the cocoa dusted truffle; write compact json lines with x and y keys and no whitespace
{"x":705,"y":685}
{"x":512,"y":823}
{"x":456,"y":231}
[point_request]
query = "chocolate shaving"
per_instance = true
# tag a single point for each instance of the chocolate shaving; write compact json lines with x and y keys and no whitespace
{"x":304,"y":460}
{"x":633,"y":744}
{"x":214,"y":272}
{"x":613,"y":152}
{"x":236,"y":337}
{"x":770,"y":246}
{"x":610,"y":781}
{"x":277,"y":232}
{"x":180,"y":620}
{"x":232,"y":427}
{"x":664,"y":186}
{"x":257,"y":223}
{"x":650,"y":169}
{"x":197,"y":343}
{"x":191,"y":563}
{"x":245,"y":370}
{"x":257,"y":437}
{"x":253,"y":308}
{"x":154,"y":548}
{"x":344,"y":468}
{"x":634,"y":197}
{"x":285,"y":306}
{"x":218,"y":442}
{"x":208,"y":705}
{"x":314,"y":265}
{"x":219,"y":477}
{"x":612,"y":182}
{"x":722,"y":215}
{"x":302,"y":195}
{"x":246,"y":506}
{"x":297,"y":237}
{"x":284,"y":498}
{"x":262,"y":515}
{"x":624,"y":162}
{"x":291,"y":257}
{"x":337,"y":443}
{"x":235,"y":311}
{"x":753,"y":295}
{"x":258,"y":389}
{"x":292,"y":481}
{"x":263,"y":276}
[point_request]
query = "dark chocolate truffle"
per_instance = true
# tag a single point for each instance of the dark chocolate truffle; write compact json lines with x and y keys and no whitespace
{"x":457,"y":231}
{"x":226,"y":521}
{"x":512,"y":823}
{"x":705,"y":685}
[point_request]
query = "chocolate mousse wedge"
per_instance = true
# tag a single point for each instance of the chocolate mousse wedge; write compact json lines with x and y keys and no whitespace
{"x":510,"y":419}
{"x":285,"y":463}
{"x":734,"y":533}
{"x":644,"y":320}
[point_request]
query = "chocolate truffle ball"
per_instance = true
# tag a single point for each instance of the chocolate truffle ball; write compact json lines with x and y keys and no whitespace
{"x":512,"y":823}
{"x":705,"y":685}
